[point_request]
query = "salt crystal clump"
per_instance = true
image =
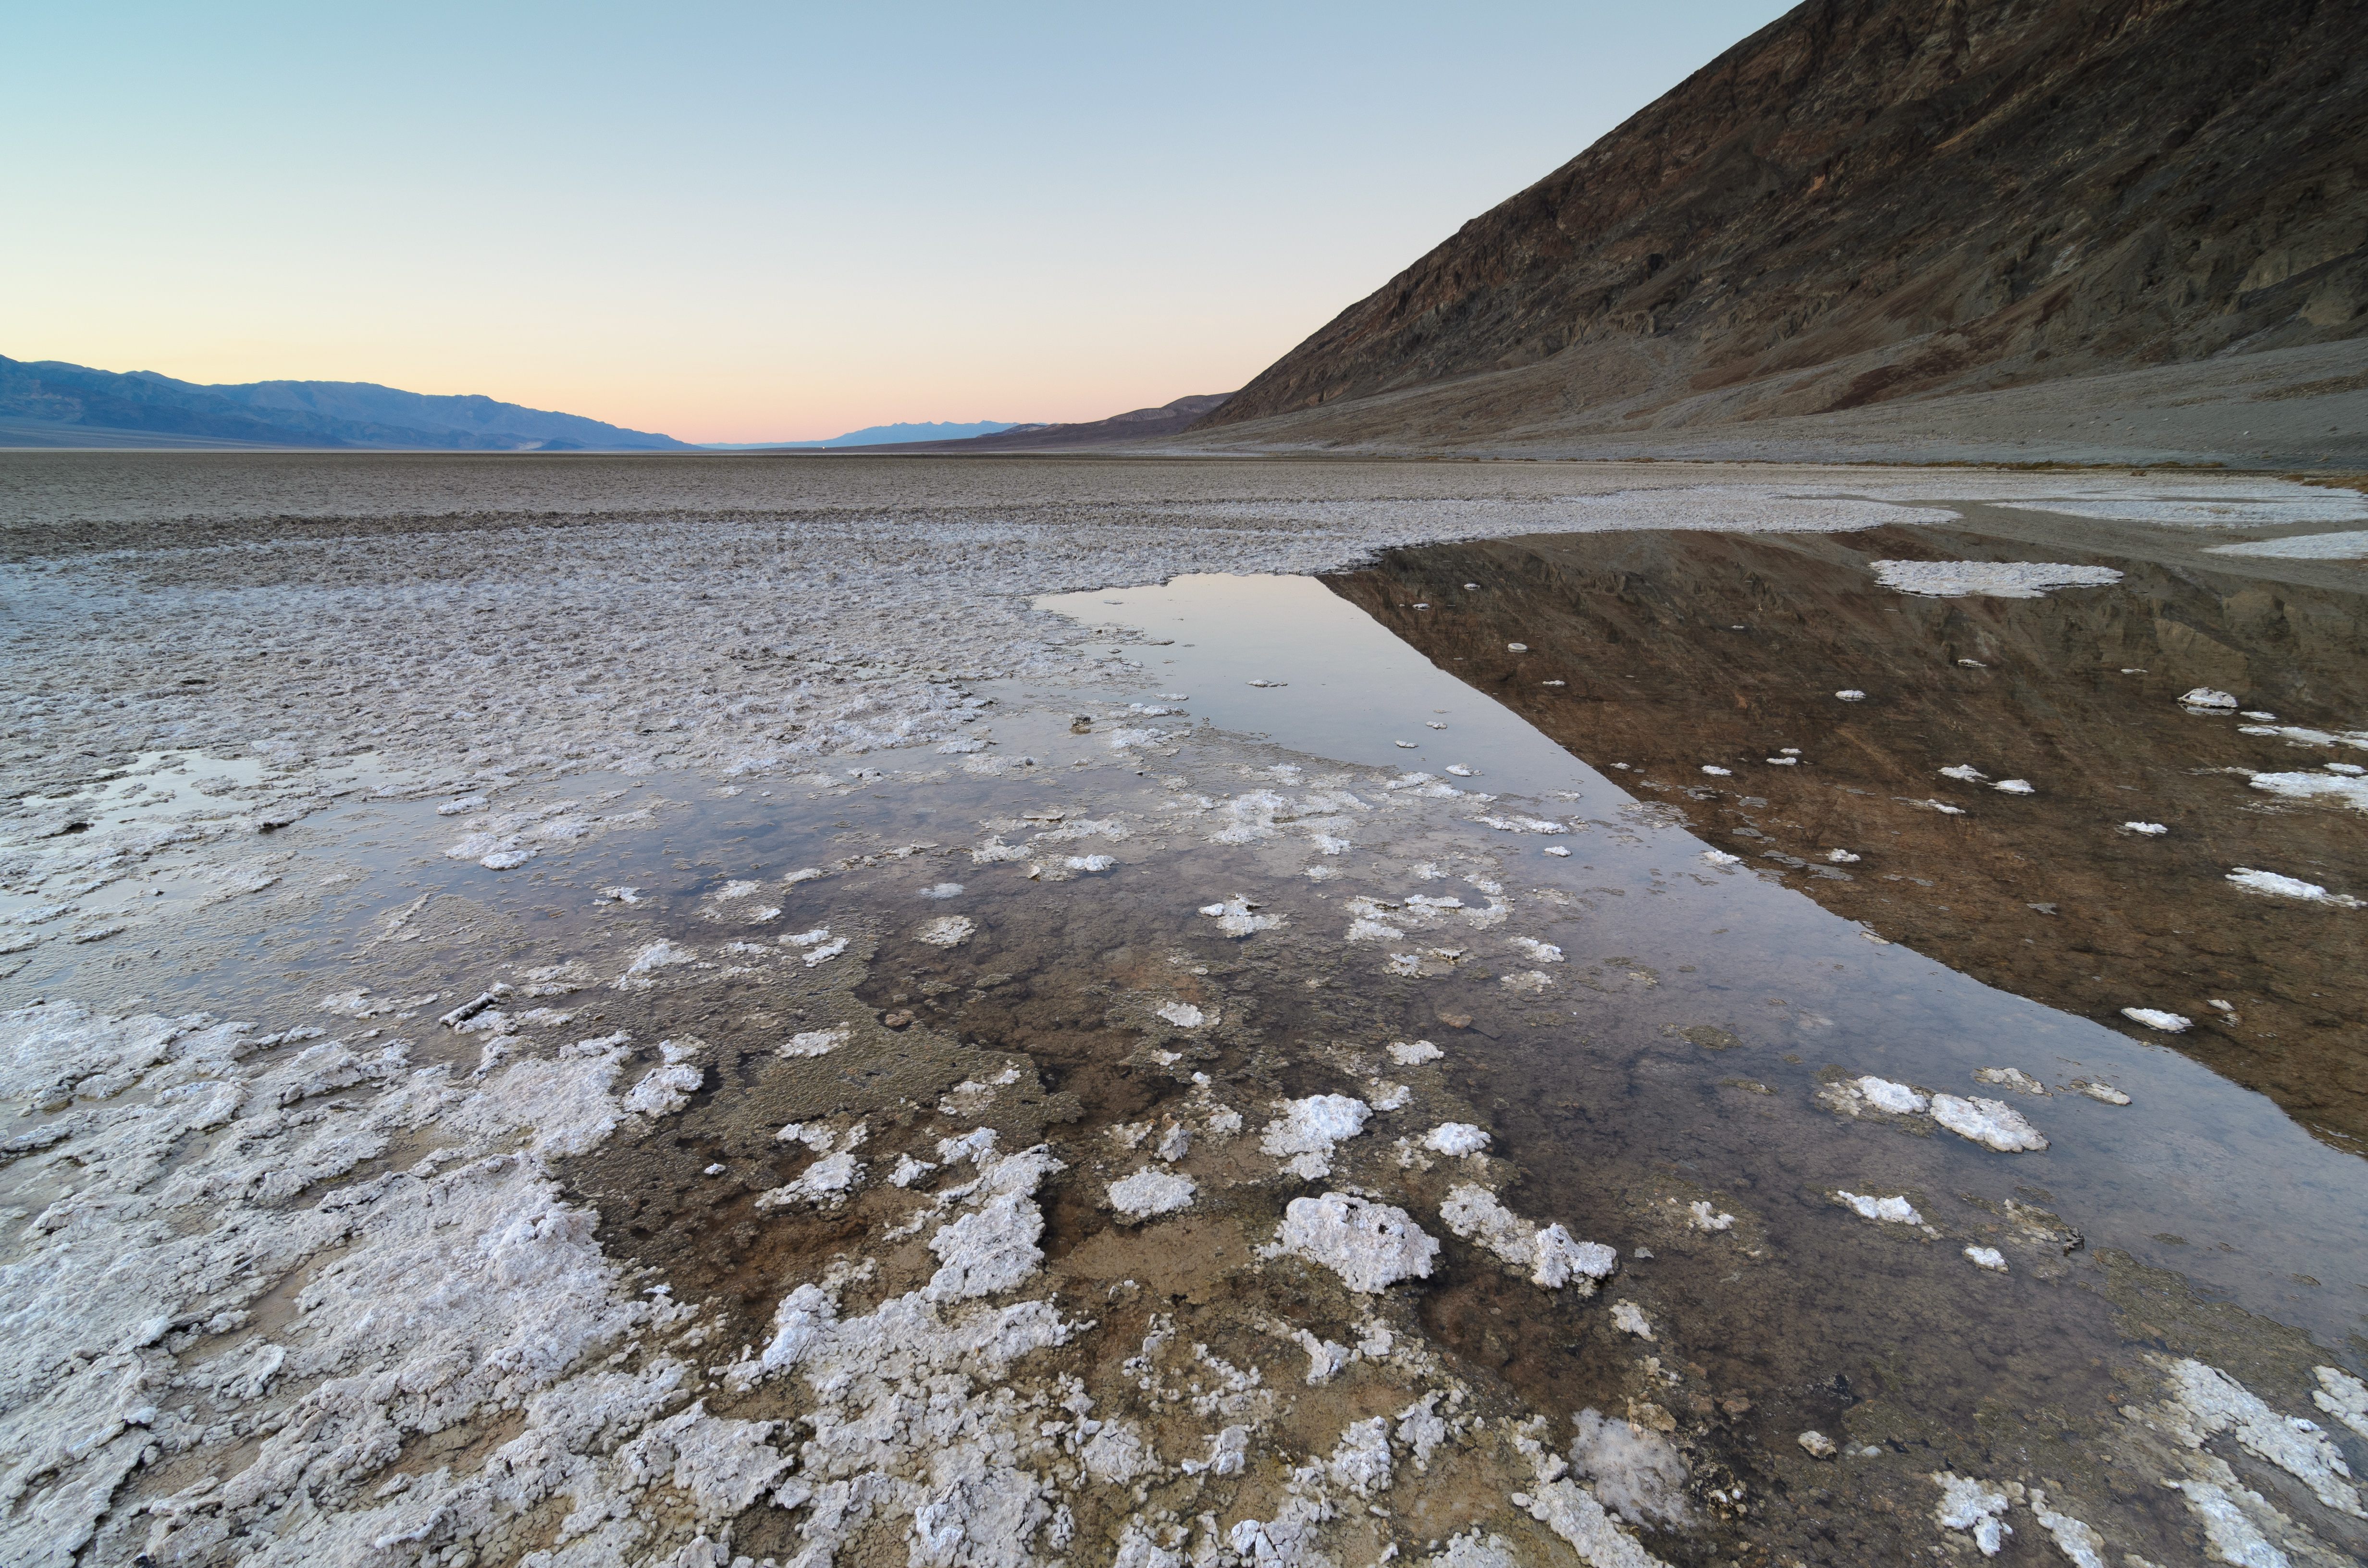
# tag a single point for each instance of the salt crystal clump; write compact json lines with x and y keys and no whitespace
{"x":2213,"y":1402}
{"x":1971,"y":1507}
{"x":827,"y":1181}
{"x":1842,"y":858}
{"x":2150,"y":829}
{"x":1851,"y":694}
{"x":2334,"y":785}
{"x":1702,"y":1218}
{"x":1818,"y":1445}
{"x":1234,"y":916}
{"x":2154,"y":1018}
{"x":993,"y":1246}
{"x":665,"y":1090}
{"x":1303,"y":1135}
{"x":1721,"y":858}
{"x":1718,"y":772}
{"x":1994,"y":579}
{"x":1897,"y":1099}
{"x":1629,"y":1318}
{"x":1964,"y":772}
{"x":2083,"y":1546}
{"x":1455,"y":1137}
{"x":946,"y":931}
{"x":2011,"y":1078}
{"x":2015,"y":786}
{"x":2288,"y":887}
{"x":1987,"y":1258}
{"x":1636,"y":1471}
{"x":1183,"y":1015}
{"x":1148,"y":1192}
{"x":1370,"y":1245}
{"x":1421,"y":1050}
{"x":2342,"y":1396}
{"x":2204,"y":696}
{"x":818,"y":1042}
{"x":1893,"y":1210}
{"x":1991,"y":1123}
{"x":2104,"y":1092}
{"x":650,"y":958}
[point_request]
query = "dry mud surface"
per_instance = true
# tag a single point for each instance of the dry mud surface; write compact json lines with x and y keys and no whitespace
{"x":575,"y":1013}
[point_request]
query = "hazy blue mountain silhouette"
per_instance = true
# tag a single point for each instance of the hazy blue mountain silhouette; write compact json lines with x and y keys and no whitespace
{"x":880,"y":436}
{"x":49,"y":402}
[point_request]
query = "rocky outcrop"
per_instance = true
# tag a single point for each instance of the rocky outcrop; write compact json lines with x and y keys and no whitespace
{"x":1871,"y":200}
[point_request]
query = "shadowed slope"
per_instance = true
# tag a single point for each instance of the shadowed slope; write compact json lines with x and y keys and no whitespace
{"x":1876,"y":199}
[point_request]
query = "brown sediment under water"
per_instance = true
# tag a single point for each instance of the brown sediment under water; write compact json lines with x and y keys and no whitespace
{"x":1673,"y":1057}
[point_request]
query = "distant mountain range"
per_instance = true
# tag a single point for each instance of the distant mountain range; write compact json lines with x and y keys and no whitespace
{"x":876,"y":436}
{"x":51,"y":403}
{"x":1119,"y":429}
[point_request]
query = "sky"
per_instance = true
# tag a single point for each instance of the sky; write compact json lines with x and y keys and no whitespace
{"x":744,"y":222}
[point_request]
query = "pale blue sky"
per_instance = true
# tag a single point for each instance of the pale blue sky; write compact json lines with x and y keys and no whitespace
{"x":742,"y":223}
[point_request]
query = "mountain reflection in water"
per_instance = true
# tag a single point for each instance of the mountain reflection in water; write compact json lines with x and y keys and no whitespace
{"x":1678,"y":653}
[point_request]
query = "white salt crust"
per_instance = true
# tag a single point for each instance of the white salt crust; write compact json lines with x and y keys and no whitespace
{"x":1635,"y":1471}
{"x":553,"y":618}
{"x":1304,"y":1134}
{"x":1552,"y":1258}
{"x":1370,"y":1245}
{"x":2279,"y":886}
{"x":1992,"y":579}
{"x":553,"y":639}
{"x":2349,"y":546}
{"x":1991,"y":1123}
{"x":1896,"y":1210}
{"x":1974,"y":1506}
{"x":1149,"y":1192}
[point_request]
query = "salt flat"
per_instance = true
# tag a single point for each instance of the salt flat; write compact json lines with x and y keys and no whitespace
{"x":575,"y":1011}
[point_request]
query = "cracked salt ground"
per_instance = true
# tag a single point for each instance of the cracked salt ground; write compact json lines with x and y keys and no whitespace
{"x":937,"y":1344}
{"x":885,"y":1212}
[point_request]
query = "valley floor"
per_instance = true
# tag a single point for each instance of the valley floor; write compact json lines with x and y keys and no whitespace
{"x":577,"y":1010}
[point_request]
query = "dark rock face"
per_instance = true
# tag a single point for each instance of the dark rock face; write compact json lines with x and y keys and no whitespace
{"x":1872,"y":199}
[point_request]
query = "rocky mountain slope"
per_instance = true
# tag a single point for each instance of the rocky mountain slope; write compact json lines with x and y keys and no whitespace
{"x":1876,"y":200}
{"x":48,"y":402}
